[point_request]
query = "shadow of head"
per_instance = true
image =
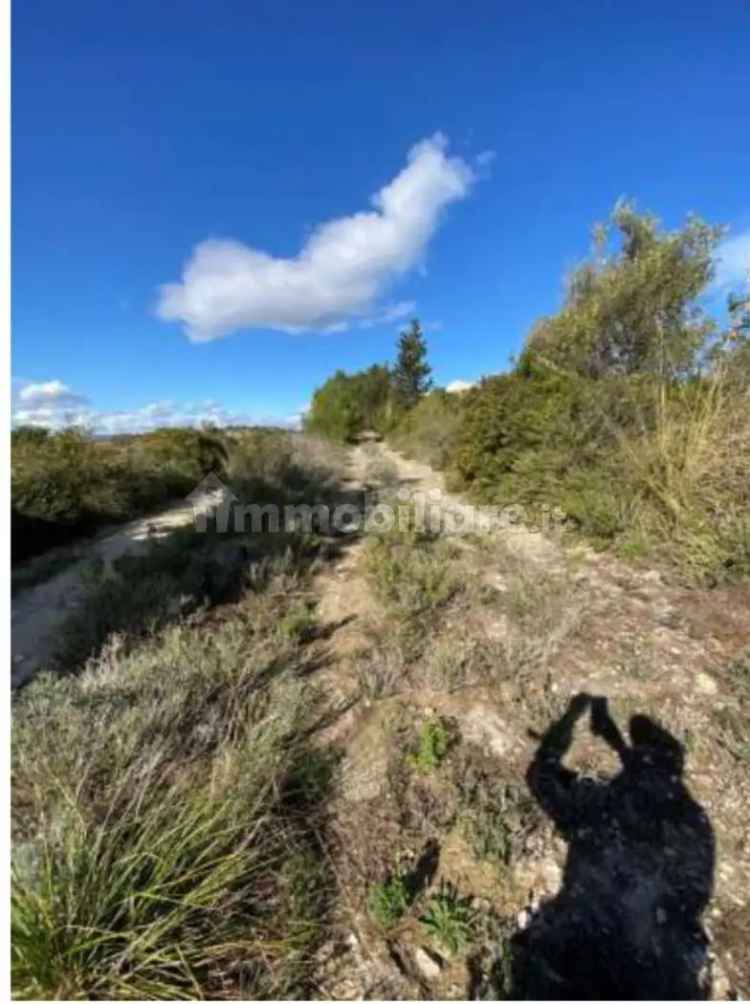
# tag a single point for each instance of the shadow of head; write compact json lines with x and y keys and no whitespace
{"x":626,"y":922}
{"x":654,"y":745}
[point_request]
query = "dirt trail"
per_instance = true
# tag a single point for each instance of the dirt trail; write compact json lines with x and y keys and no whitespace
{"x":38,"y":613}
{"x":601,"y":628}
{"x":344,"y":596}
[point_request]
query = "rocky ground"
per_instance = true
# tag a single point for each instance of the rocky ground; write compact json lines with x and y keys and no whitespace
{"x":508,"y":820}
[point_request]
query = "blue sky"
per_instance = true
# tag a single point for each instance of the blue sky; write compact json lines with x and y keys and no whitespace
{"x":216,"y":205}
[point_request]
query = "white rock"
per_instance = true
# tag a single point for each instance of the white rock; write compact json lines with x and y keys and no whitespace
{"x":428,"y":966}
{"x":484,"y":727}
{"x":705,"y":684}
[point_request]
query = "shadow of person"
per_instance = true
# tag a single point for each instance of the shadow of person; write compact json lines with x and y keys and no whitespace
{"x":626,"y":923}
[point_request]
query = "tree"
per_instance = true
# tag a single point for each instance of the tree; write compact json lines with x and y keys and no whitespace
{"x":373,"y":389}
{"x":411,"y":374}
{"x":346,"y":404}
{"x":631,"y":309}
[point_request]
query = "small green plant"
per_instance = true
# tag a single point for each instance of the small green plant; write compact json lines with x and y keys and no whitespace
{"x":388,"y":900}
{"x":487,"y":834}
{"x":298,"y":623}
{"x":448,"y":920}
{"x":435,"y":739}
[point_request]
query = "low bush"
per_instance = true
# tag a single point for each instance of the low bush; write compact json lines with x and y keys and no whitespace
{"x":283,"y":467}
{"x":429,"y":431}
{"x":410,"y":573}
{"x":647,"y":467}
{"x":523,"y":433}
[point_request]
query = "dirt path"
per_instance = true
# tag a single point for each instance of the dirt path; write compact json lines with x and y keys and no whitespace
{"x":545,"y":622}
{"x":344,"y":595}
{"x":39,"y":611}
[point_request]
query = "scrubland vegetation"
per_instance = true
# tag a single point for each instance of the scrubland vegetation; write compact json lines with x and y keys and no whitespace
{"x":68,"y":484}
{"x":215,"y":797}
{"x":627,"y":410}
{"x":167,"y":800}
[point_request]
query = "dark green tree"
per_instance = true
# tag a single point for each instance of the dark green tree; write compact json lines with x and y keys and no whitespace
{"x":411,"y":374}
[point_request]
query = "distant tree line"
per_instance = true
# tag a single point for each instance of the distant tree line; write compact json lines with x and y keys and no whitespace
{"x":376,"y":398}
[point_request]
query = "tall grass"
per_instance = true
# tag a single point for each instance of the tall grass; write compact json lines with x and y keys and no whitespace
{"x":689,"y":478}
{"x":166,"y":805}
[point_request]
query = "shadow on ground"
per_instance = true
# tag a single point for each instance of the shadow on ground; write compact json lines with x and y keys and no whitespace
{"x":639,"y":872}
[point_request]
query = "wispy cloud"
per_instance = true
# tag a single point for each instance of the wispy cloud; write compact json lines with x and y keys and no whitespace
{"x":394,"y":312}
{"x":341,"y":271}
{"x":55,"y":406}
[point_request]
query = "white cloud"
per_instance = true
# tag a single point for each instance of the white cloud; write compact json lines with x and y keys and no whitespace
{"x":53,"y":394}
{"x":732,"y":259}
{"x":344,"y":266}
{"x":55,"y":406}
{"x":458,"y":386}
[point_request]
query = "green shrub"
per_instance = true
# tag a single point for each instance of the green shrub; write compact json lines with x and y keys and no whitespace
{"x":298,"y":622}
{"x":522,"y":432}
{"x":652,"y":468}
{"x":388,"y":901}
{"x":449,"y":920}
{"x":434,"y":741}
{"x":346,"y":404}
{"x":429,"y":431}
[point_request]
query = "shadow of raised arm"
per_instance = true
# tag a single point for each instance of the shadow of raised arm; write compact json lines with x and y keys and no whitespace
{"x":550,"y":782}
